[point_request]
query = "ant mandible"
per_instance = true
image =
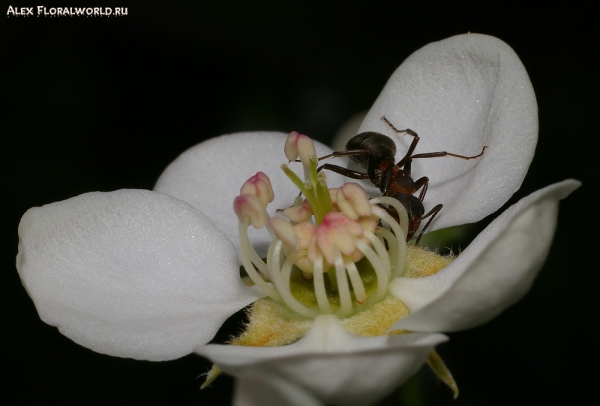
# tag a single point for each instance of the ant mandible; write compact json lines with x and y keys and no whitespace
{"x":376,"y":153}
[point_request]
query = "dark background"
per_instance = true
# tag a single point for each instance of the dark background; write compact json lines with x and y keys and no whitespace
{"x":106,"y":103}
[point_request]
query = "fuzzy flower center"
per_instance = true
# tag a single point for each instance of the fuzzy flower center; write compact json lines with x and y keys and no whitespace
{"x":333,"y":252}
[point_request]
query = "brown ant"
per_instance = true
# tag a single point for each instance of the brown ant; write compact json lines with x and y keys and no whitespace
{"x":376,"y":153}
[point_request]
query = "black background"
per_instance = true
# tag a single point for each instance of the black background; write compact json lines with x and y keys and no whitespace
{"x":106,"y":103}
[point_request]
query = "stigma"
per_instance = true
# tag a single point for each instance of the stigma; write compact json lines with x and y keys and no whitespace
{"x":334,"y":251}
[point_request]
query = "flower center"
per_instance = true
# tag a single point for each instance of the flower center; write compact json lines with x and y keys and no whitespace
{"x":334,"y":252}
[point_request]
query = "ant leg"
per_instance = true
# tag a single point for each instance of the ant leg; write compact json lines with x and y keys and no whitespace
{"x":408,"y":156}
{"x":444,"y":153}
{"x":407,"y":131}
{"x":349,"y":173}
{"x":422,"y":183}
{"x":433,"y":212}
{"x":370,"y":166}
{"x":339,"y":154}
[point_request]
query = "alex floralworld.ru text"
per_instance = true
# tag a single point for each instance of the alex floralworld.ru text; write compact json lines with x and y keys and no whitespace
{"x":66,"y":11}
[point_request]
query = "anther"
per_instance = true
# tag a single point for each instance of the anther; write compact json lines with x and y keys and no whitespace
{"x":249,"y":206}
{"x":299,"y":145}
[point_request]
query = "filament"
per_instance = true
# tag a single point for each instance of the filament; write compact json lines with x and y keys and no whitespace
{"x":401,"y":242}
{"x":402,"y":214}
{"x":356,"y":281}
{"x":246,"y":253}
{"x":281,"y":278}
{"x":342,"y":282}
{"x":380,"y":271}
{"x":319,"y":285}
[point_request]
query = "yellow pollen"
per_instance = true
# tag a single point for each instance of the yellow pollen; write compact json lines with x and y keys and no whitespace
{"x":274,"y":324}
{"x":421,"y":262}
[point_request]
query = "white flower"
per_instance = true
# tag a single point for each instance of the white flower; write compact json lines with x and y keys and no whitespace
{"x":153,"y":275}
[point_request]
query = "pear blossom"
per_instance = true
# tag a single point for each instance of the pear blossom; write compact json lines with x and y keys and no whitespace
{"x":152,"y":275}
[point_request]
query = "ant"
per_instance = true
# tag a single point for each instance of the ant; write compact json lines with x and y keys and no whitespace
{"x":376,"y":153}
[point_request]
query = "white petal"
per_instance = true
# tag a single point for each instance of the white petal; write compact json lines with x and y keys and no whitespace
{"x":209,"y":176}
{"x":332,"y":364}
{"x":261,"y":389}
{"x":131,"y":273}
{"x":495,"y":270}
{"x":460,"y":94}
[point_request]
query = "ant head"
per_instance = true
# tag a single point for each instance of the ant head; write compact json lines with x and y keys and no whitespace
{"x":380,"y":146}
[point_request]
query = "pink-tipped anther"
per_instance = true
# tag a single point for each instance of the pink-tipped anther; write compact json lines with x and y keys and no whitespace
{"x":285,"y":232}
{"x":299,"y":213}
{"x":336,"y":230}
{"x":249,"y":206}
{"x":299,"y":145}
{"x":353,"y":201}
{"x":305,"y":232}
{"x":260,"y":186}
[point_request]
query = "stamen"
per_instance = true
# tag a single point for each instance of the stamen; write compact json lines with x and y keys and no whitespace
{"x":346,"y":206}
{"x":258,"y":262}
{"x":356,"y":281}
{"x":281,"y":277}
{"x":285,"y":232}
{"x":304,"y":264}
{"x":271,"y":261}
{"x":319,"y":285}
{"x":250,"y":206}
{"x":398,"y":230}
{"x":299,"y":212}
{"x":246,"y":253}
{"x":299,"y":145}
{"x":397,"y":251}
{"x":381,"y":251}
{"x":260,"y":186}
{"x":353,"y":201}
{"x":337,"y":232}
{"x":402,"y":214}
{"x":342,"y":283}
{"x":380,"y":271}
